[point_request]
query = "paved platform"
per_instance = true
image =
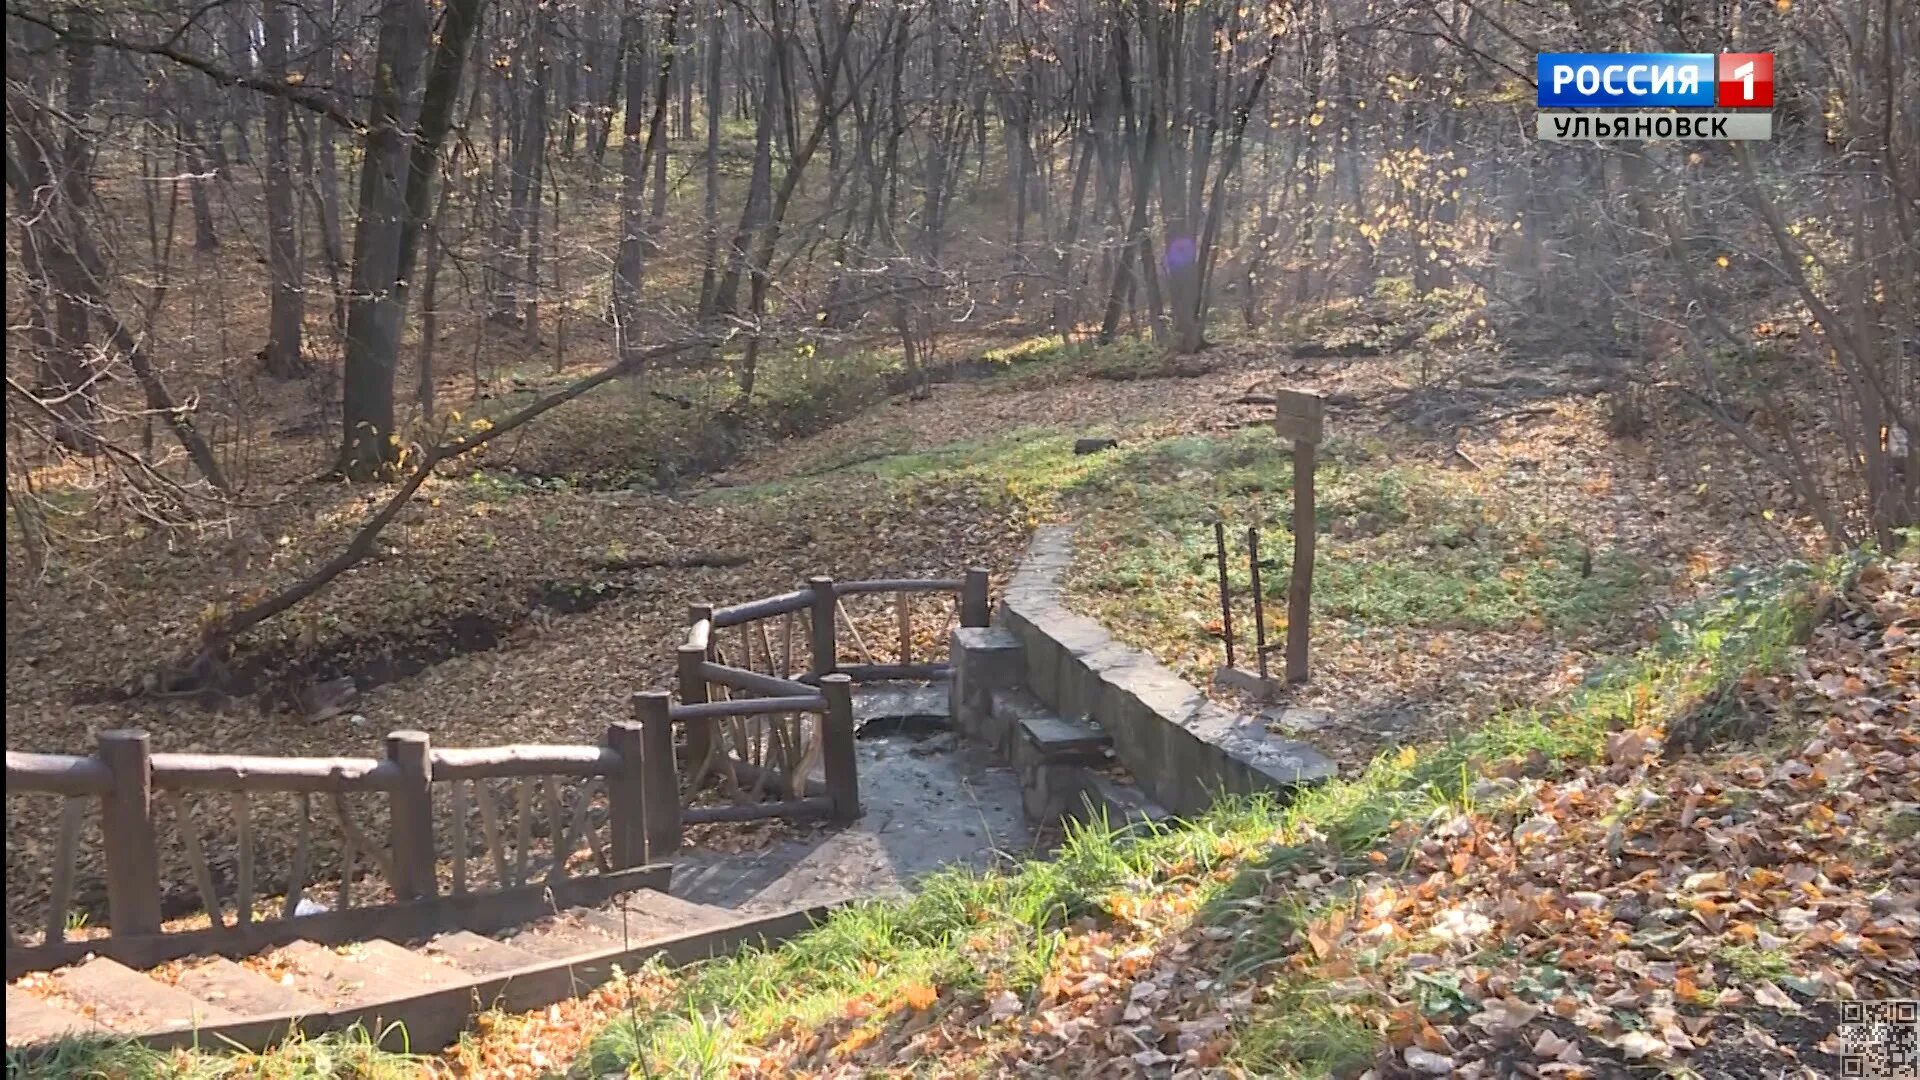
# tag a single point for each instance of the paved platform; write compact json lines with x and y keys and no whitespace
{"x":930,"y":799}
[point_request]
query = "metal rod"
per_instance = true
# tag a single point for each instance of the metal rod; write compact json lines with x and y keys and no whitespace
{"x":1226,"y":594}
{"x":1259,"y":607}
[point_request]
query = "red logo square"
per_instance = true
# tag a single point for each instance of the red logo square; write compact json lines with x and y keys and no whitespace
{"x":1744,"y":81}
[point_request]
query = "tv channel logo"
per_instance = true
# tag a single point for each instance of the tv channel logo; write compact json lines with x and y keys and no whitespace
{"x":1654,"y":80}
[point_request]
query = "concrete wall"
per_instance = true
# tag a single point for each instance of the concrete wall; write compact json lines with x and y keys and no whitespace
{"x":1182,"y":748}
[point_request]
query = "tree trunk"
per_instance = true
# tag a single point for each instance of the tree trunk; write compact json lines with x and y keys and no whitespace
{"x":287,"y":308}
{"x":369,"y":444}
{"x":636,"y":241}
{"x":710,"y":263}
{"x":394,"y":193}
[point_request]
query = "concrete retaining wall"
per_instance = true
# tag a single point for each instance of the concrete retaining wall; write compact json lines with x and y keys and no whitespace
{"x":1182,"y":748}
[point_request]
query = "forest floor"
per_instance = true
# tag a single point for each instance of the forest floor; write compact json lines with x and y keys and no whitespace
{"x":1487,"y":545}
{"x":1489,"y":550}
{"x":1680,"y":869}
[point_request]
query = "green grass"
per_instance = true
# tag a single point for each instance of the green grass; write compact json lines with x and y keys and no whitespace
{"x":353,"y":1053}
{"x":965,"y":931}
{"x":1295,"y":1032}
{"x":1755,"y":964}
{"x":1401,"y":545}
{"x":959,"y":931}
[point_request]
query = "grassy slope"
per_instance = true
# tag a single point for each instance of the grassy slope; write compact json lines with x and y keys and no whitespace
{"x":855,"y":989}
{"x":1203,"y":891}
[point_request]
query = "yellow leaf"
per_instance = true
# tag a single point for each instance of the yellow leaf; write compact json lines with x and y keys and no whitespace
{"x":920,"y":996}
{"x":1316,"y":120}
{"x":854,"y":1042}
{"x":1721,"y":262}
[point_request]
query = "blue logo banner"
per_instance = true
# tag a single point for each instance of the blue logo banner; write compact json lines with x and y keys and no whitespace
{"x":1625,"y":80}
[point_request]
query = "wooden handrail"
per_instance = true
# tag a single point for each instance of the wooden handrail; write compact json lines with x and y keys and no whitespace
{"x":760,"y":706}
{"x":752,"y":681}
{"x":56,"y":774}
{"x":490,"y":762}
{"x":236,"y":772}
{"x":907,"y":585}
{"x":764,"y":608}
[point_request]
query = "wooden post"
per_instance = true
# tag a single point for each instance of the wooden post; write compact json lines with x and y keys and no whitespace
{"x":903,"y":605}
{"x":693,"y":687}
{"x":837,"y":750}
{"x":825,"y":653}
{"x":1226,"y":594}
{"x":126,"y":820}
{"x":1300,"y":588}
{"x":660,"y":788}
{"x":1259,"y":601}
{"x":1300,"y":417}
{"x":627,"y":794}
{"x":410,"y":821}
{"x":975,"y":603}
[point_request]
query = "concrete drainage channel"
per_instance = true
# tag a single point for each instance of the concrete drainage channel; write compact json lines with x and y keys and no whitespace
{"x":1055,"y":695}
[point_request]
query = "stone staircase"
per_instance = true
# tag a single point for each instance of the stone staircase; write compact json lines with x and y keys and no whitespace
{"x":1093,"y":726}
{"x":1067,"y":767}
{"x":431,"y":987}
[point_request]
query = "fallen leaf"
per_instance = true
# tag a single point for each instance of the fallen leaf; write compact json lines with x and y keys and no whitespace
{"x":1426,"y":1062}
{"x":1637,"y":1045}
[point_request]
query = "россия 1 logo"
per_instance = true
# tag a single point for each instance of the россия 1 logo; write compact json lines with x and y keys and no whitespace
{"x":1718,"y":96}
{"x":1625,"y":80}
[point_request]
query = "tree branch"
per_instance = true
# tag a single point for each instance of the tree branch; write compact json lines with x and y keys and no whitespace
{"x":218,"y":637}
{"x":304,"y":98}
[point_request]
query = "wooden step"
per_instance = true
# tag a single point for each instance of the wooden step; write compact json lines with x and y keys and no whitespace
{"x":562,"y":936}
{"x":217,"y":980}
{"x":33,"y":1021}
{"x":655,"y":918}
{"x":677,"y":915}
{"x":369,"y":971}
{"x":478,"y":954}
{"x":125,"y":1000}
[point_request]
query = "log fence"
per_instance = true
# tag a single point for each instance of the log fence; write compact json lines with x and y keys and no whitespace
{"x":427,"y":839}
{"x":539,"y":809}
{"x":759,"y":714}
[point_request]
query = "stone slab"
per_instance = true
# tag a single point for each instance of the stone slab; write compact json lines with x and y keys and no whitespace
{"x":1056,"y":735}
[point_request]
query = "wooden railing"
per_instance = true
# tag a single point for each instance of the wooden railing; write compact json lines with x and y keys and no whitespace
{"x":464,"y":838}
{"x":504,"y":825}
{"x":756,"y":723}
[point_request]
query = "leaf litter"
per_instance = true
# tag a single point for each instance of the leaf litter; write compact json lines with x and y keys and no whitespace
{"x":1650,"y":910}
